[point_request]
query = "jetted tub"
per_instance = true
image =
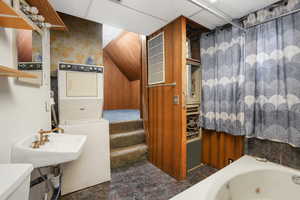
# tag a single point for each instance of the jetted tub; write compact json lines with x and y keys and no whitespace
{"x":247,"y":179}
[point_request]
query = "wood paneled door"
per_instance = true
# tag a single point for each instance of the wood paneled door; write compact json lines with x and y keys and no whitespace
{"x":219,"y":149}
{"x":166,"y":119}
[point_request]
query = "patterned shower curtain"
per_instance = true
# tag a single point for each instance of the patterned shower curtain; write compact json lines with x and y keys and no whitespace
{"x":272,"y":86}
{"x":222,"y":57}
{"x":251,"y":82}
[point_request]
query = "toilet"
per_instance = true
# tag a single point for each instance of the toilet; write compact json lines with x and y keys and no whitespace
{"x":15,"y":181}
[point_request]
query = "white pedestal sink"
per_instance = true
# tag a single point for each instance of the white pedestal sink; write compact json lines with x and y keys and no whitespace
{"x":62,"y":148}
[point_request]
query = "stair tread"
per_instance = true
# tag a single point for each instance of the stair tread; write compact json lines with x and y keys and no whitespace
{"x":121,"y":122}
{"x":123,"y":150}
{"x":125,"y":126}
{"x":125,"y":134}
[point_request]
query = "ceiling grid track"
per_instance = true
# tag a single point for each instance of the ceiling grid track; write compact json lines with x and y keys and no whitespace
{"x":217,"y":13}
{"x":88,"y":8}
{"x":196,"y":13}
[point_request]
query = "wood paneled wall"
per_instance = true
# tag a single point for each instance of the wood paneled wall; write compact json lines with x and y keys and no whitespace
{"x":167,"y":121}
{"x":218,"y":148}
{"x":125,"y":51}
{"x":135,"y":96}
{"x":119,"y":92}
{"x":144,"y":84}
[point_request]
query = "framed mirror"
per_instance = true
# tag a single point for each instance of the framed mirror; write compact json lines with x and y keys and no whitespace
{"x":30,"y":55}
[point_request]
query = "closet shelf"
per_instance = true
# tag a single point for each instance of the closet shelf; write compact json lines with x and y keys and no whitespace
{"x":192,"y":61}
{"x":189,"y":140}
{"x":51,"y":16}
{"x":9,"y":72}
{"x":12,"y":18}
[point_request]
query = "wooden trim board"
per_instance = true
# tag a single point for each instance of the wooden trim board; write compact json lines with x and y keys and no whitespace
{"x":218,"y":148}
{"x":9,"y":72}
{"x":15,"y":18}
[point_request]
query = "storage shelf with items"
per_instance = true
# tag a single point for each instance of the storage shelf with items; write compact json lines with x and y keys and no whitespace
{"x":30,"y":15}
{"x":47,"y":11}
{"x":192,"y":121}
{"x":192,"y":61}
{"x":173,"y":112}
{"x":10,"y":72}
{"x":193,"y":94}
{"x":13,"y":18}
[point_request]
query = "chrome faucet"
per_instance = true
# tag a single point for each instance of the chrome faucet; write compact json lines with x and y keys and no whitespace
{"x":296,"y":179}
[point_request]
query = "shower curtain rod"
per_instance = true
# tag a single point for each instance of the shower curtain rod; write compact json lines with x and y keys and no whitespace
{"x":221,"y":16}
{"x":273,"y":18}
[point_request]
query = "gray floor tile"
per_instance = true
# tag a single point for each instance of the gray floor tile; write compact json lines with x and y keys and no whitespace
{"x":141,"y":181}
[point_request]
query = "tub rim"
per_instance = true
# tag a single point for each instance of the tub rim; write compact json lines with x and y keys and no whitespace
{"x":244,"y":165}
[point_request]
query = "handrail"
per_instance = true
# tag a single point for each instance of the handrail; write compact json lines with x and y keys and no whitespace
{"x":160,"y":85}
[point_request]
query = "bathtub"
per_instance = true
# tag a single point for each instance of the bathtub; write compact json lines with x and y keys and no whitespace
{"x":247,"y":179}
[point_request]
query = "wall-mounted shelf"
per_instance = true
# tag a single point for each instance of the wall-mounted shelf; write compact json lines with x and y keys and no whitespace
{"x":189,"y":140}
{"x":51,"y":16}
{"x":192,"y":61}
{"x":12,"y":18}
{"x":9,"y":72}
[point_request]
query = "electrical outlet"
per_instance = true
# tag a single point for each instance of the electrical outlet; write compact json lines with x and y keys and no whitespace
{"x":230,"y":160}
{"x":176,"y":99}
{"x":47,"y":106}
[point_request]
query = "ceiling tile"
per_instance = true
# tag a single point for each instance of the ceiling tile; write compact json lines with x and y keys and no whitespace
{"x":147,"y":16}
{"x":165,"y":9}
{"x":162,"y":9}
{"x":72,"y":7}
{"x":207,"y":19}
{"x":111,"y":13}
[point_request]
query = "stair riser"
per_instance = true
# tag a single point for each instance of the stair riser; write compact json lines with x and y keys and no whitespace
{"x":127,"y":160}
{"x":127,"y":140}
{"x":127,"y":143}
{"x":123,"y":127}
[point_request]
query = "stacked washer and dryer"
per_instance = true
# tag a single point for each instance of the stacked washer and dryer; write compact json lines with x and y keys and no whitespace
{"x":80,"y":105}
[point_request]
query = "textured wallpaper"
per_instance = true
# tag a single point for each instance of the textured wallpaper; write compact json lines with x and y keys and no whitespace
{"x":82,"y":44}
{"x":37,"y":47}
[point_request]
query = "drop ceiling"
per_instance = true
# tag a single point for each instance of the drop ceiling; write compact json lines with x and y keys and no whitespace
{"x":147,"y":16}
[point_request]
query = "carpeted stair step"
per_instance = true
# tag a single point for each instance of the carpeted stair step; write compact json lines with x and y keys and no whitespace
{"x":121,"y":157}
{"x":126,"y":139}
{"x":126,"y":126}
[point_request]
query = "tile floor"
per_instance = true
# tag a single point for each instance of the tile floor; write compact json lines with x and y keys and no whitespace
{"x":141,"y":181}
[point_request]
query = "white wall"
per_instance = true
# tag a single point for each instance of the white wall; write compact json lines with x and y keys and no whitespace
{"x":22,"y":108}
